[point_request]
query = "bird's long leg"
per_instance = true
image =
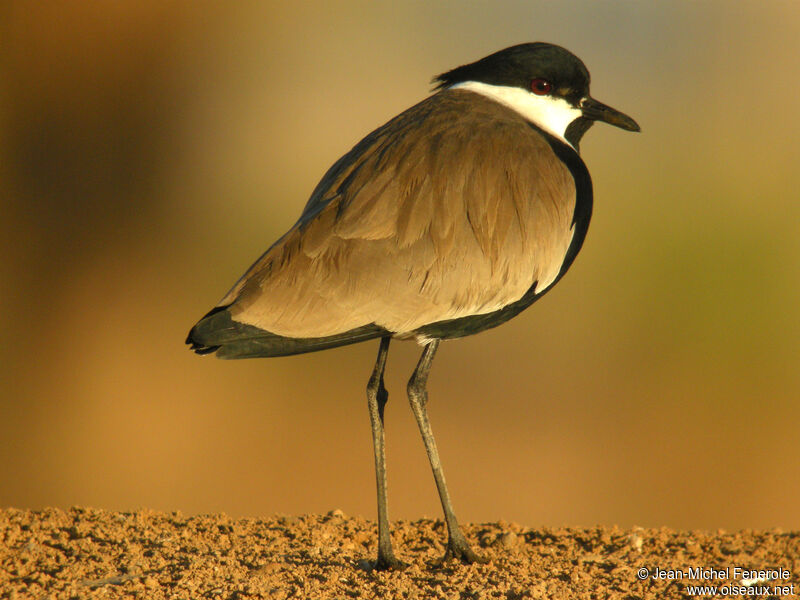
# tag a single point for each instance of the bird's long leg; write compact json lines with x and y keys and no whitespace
{"x":457,"y":546}
{"x":377,"y":396}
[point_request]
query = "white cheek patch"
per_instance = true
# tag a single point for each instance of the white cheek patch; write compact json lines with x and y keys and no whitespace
{"x":551,"y":114}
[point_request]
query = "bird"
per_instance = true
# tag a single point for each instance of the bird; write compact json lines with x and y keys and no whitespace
{"x":448,"y":220}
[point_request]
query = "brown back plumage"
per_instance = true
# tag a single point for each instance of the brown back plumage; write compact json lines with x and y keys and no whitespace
{"x":455,"y":207}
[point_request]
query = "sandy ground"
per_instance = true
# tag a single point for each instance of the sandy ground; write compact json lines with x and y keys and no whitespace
{"x":88,"y":553}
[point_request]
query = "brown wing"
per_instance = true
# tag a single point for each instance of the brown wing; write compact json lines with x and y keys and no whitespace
{"x":456,"y":207}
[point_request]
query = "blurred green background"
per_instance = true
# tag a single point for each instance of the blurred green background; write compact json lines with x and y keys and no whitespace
{"x":150,"y":151}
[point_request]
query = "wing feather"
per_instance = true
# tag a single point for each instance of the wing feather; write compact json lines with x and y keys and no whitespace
{"x":445,"y":211}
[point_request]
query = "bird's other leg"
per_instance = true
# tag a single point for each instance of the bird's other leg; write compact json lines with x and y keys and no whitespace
{"x":377,"y":396}
{"x":457,"y":546}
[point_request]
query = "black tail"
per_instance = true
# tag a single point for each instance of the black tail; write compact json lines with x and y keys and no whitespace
{"x":218,"y":332}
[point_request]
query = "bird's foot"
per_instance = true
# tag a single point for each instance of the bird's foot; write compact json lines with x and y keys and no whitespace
{"x":387,"y":562}
{"x":458,"y":549}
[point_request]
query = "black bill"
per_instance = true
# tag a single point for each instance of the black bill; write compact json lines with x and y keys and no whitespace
{"x":597,"y":111}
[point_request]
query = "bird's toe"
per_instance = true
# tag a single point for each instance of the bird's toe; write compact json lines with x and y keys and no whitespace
{"x":387,"y":563}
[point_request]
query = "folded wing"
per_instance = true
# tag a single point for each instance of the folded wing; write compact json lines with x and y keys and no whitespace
{"x":456,"y":207}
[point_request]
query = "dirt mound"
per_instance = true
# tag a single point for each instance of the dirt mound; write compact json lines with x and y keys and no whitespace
{"x":88,"y":553}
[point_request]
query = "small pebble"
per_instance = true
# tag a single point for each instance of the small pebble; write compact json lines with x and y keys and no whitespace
{"x":509,"y":539}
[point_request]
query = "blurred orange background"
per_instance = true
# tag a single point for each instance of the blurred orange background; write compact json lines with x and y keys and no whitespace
{"x":150,"y":151}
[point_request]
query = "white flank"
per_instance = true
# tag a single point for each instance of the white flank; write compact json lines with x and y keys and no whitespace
{"x":551,"y":114}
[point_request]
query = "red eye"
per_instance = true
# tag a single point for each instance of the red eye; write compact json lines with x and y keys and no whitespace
{"x":541,"y":86}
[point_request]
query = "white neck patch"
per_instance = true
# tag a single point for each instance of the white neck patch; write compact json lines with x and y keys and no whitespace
{"x":551,"y":114}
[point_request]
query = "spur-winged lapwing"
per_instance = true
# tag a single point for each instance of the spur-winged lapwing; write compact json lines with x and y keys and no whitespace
{"x":451,"y":218}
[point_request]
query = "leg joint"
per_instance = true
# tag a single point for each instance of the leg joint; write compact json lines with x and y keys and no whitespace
{"x":374,"y":384}
{"x":416,"y":386}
